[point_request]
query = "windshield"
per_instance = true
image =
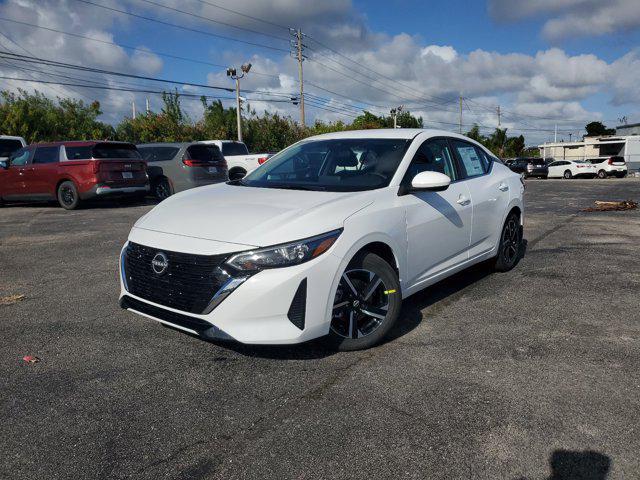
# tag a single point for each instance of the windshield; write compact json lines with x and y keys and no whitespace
{"x":8,"y":146}
{"x":340,"y":165}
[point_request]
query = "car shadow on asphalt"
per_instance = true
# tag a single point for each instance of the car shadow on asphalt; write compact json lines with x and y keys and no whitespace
{"x":572,"y":465}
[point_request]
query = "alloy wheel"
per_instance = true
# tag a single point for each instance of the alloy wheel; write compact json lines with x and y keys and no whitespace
{"x":68,"y":195}
{"x":510,"y":241}
{"x":162,"y":190}
{"x":361,"y":304}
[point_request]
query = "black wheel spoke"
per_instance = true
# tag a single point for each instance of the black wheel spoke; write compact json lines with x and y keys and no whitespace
{"x":376,"y":312}
{"x":371,"y":287}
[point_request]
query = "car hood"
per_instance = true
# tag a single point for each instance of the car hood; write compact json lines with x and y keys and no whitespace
{"x":253,"y":217}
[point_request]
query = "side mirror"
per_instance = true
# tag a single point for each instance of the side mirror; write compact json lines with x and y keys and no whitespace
{"x":433,"y":181}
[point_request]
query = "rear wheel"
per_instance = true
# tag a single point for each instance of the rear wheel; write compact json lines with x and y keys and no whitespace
{"x":67,"y":194}
{"x":567,"y":174}
{"x":162,"y":188}
{"x":602,"y":174}
{"x":366,"y":305}
{"x":510,"y":247}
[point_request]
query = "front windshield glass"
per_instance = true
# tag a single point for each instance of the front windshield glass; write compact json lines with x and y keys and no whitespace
{"x":339,"y":165}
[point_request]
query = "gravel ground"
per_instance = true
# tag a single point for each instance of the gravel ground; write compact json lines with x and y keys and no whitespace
{"x":518,"y":376}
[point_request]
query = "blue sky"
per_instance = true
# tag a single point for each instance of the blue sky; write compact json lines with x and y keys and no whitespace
{"x":544,"y":62}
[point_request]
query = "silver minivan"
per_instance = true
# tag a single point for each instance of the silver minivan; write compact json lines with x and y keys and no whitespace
{"x":174,"y":167}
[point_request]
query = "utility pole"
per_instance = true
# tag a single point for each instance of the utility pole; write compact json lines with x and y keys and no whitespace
{"x":460,"y":121}
{"x":147,"y":105}
{"x":499,"y":124}
{"x":232,"y":72}
{"x":555,"y":135}
{"x":299,"y":46}
{"x":133,"y":109}
{"x":394,"y":114}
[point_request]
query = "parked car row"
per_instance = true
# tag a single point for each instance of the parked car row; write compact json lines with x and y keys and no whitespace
{"x":550,"y":168}
{"x":72,"y":172}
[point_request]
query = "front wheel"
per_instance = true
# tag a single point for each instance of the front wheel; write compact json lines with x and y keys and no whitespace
{"x":68,"y":197}
{"x":510,"y":247}
{"x":367,"y":303}
{"x":567,"y":174}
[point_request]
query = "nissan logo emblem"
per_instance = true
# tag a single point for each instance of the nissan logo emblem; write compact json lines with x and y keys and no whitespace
{"x":160,"y":263}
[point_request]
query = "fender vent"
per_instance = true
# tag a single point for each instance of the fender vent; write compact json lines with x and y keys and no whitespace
{"x":298,"y":306}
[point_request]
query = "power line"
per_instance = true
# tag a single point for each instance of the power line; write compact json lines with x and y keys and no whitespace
{"x":202,"y":17}
{"x":189,"y":29}
{"x":121,"y":45}
{"x":137,"y":90}
{"x":29,"y":59}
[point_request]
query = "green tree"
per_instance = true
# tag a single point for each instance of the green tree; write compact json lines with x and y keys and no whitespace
{"x":595,"y":129}
{"x":38,"y":118}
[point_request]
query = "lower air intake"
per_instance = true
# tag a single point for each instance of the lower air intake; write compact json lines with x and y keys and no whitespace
{"x":298,"y":306}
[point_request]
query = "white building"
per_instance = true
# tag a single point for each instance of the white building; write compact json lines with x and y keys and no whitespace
{"x":596,"y":147}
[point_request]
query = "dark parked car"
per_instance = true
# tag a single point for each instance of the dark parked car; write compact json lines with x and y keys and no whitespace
{"x":529,"y":167}
{"x":174,"y":167}
{"x":71,"y":172}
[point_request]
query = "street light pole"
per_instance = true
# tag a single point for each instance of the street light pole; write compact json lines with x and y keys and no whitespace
{"x":232,"y":72}
{"x":238,"y":114}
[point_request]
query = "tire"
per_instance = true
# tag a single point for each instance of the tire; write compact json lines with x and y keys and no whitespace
{"x":162,"y":188}
{"x":618,"y":175}
{"x":237,"y":173}
{"x":602,"y":174}
{"x":567,"y":174}
{"x":67,"y":195}
{"x":510,"y":246}
{"x":372,"y":288}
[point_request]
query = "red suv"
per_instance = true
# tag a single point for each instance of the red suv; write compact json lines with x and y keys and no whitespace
{"x":70,"y":172}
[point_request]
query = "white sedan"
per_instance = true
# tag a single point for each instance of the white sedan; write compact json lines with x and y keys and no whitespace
{"x":570,"y":169}
{"x":325,"y":239}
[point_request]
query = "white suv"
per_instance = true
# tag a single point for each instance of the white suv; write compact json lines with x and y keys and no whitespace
{"x":612,"y":166}
{"x":325,"y":239}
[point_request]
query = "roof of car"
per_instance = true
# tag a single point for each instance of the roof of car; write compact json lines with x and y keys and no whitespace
{"x":76,"y":143}
{"x":406,"y":133}
{"x":166,"y":144}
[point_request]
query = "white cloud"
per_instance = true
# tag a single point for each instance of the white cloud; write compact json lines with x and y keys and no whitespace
{"x":570,"y":18}
{"x":445,"y":52}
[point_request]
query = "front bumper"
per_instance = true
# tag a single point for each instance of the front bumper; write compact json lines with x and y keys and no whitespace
{"x":257,"y":311}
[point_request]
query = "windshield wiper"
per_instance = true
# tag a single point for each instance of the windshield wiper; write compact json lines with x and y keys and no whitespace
{"x":286,"y":186}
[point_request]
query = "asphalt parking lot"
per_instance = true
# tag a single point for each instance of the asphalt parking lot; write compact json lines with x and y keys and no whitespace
{"x":518,"y":376}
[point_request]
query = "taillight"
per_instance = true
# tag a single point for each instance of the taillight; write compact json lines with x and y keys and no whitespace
{"x":261,"y":160}
{"x":610,"y":162}
{"x":95,"y":166}
{"x":188,"y":162}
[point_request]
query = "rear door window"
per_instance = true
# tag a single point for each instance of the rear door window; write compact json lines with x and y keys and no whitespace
{"x":158,"y":154}
{"x":46,"y":155}
{"x":78,"y":153}
{"x":234,"y":148}
{"x":471,"y":163}
{"x":8,"y":146}
{"x":204,"y":153}
{"x":115,"y":150}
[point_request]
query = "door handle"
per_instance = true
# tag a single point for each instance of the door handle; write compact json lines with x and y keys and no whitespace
{"x":503,"y":187}
{"x":462,"y":200}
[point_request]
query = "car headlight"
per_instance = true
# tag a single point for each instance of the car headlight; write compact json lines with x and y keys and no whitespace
{"x":284,"y":255}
